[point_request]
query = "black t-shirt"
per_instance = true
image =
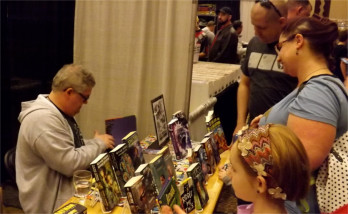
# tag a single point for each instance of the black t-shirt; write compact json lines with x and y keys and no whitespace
{"x":268,"y":83}
{"x":78,"y":139}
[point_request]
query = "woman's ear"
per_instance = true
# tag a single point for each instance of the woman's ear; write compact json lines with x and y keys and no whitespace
{"x":261,"y":184}
{"x":299,"y":40}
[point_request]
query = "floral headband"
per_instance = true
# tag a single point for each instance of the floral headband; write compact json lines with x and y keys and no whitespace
{"x":255,"y":147}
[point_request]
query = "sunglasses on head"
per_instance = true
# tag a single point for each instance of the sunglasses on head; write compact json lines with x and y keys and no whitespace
{"x":268,"y":4}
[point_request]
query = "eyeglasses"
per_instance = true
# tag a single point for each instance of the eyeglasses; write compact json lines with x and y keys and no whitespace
{"x":279,"y":46}
{"x":85,"y":98}
{"x":268,"y":4}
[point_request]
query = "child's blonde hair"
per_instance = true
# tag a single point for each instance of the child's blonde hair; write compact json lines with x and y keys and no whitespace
{"x":287,"y":166}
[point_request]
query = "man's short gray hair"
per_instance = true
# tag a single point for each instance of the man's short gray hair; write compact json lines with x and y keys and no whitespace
{"x":73,"y":76}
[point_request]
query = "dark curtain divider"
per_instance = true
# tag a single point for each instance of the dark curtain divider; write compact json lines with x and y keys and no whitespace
{"x":36,"y":40}
{"x":226,"y":109}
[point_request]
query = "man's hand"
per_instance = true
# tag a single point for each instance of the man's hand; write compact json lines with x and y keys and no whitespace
{"x":108,"y":140}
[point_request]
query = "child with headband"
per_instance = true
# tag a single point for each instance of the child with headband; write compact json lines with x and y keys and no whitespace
{"x":269,"y":165}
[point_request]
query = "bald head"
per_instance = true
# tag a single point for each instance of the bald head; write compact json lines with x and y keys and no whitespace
{"x":269,"y":19}
{"x":298,"y":8}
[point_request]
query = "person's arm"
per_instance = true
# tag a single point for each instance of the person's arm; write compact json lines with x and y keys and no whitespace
{"x":242,"y":102}
{"x":317,"y":138}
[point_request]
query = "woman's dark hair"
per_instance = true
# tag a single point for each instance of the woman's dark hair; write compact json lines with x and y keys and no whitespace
{"x":321,"y":34}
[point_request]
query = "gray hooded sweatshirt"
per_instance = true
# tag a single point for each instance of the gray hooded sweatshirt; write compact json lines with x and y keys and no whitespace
{"x":46,"y":157}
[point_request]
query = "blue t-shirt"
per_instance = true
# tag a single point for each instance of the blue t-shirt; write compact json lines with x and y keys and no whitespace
{"x":321,"y":99}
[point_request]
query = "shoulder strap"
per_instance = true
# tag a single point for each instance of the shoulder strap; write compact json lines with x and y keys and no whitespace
{"x":327,"y":77}
{"x":338,"y":83}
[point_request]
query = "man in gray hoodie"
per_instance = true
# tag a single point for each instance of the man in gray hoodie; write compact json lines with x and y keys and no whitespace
{"x":50,"y":146}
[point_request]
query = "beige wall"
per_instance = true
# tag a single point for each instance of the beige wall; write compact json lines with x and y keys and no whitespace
{"x":339,"y":11}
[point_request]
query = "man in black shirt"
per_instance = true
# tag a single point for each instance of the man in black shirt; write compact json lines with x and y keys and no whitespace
{"x":224,"y":46}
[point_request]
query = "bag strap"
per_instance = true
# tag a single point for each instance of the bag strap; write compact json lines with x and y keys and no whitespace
{"x":337,"y":81}
{"x":328,"y":77}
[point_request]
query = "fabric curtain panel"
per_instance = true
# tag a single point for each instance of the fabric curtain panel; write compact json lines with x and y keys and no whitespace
{"x":248,"y":29}
{"x":137,"y":50}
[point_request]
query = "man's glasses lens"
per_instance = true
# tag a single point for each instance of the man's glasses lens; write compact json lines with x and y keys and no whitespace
{"x":268,"y":4}
{"x":83,"y":97}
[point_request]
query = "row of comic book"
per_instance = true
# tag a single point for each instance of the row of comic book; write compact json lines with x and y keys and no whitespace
{"x":122,"y":172}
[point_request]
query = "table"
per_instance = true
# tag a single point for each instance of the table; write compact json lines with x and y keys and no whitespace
{"x":214,"y":187}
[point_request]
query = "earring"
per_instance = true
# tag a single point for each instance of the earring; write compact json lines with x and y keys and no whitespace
{"x":296,"y":51}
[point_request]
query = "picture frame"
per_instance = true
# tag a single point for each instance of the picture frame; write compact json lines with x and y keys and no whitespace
{"x":160,"y":120}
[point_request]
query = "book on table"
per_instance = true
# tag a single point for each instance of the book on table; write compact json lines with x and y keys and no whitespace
{"x":180,"y":138}
{"x":168,"y":161}
{"x":169,"y":194}
{"x":135,"y":191}
{"x":215,"y":146}
{"x":120,"y":127}
{"x":159,"y":172}
{"x":185,"y":134}
{"x":187,"y":194}
{"x":206,"y":144}
{"x":150,"y":187}
{"x":106,"y":181}
{"x":200,"y":191}
{"x":72,"y":208}
{"x":134,"y":149}
{"x":200,"y":156}
{"x":122,"y":164}
{"x":213,"y":124}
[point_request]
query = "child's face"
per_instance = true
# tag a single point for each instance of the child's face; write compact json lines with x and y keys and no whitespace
{"x":244,"y":185}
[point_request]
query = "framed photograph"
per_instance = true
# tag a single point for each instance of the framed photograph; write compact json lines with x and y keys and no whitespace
{"x":160,"y":119}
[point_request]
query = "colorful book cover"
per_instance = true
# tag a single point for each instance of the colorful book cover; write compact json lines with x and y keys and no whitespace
{"x":178,"y":138}
{"x":213,"y":124}
{"x":215,"y":147}
{"x":72,"y":208}
{"x":123,"y":164}
{"x":106,"y":181}
{"x":135,"y":191}
{"x":187,"y":194}
{"x":135,"y":151}
{"x":206,"y":144}
{"x":200,"y":156}
{"x":168,"y":160}
{"x":120,"y":127}
{"x":159,"y":172}
{"x":169,"y":194}
{"x":195,"y":172}
{"x":150,"y":187}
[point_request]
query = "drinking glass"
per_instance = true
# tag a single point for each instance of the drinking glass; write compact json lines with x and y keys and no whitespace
{"x":82,"y":182}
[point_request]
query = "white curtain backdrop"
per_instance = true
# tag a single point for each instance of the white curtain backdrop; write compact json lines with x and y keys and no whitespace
{"x":248,"y":28}
{"x":137,"y":50}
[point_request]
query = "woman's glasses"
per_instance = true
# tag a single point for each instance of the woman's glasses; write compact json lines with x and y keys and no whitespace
{"x":279,"y":46}
{"x":268,"y":4}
